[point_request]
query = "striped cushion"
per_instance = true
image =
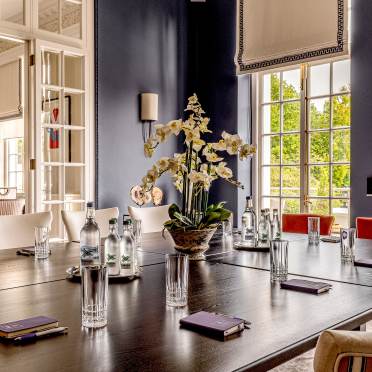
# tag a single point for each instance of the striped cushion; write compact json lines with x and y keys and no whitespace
{"x":350,"y":363}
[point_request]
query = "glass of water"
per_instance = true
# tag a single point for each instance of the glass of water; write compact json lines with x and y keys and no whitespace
{"x":227,"y":227}
{"x":41,"y":242}
{"x":94,"y":292}
{"x":347,"y":243}
{"x":313,"y":229}
{"x":137,"y":232}
{"x":278,"y":260}
{"x":176,"y":279}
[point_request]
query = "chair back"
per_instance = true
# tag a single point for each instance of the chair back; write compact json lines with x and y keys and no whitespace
{"x":19,"y":231}
{"x":364,"y":227}
{"x":297,"y":223}
{"x":343,"y":351}
{"x":152,"y":218}
{"x":74,"y":221}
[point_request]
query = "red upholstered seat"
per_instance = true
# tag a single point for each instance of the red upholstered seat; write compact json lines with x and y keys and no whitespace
{"x":364,"y":227}
{"x":297,"y":223}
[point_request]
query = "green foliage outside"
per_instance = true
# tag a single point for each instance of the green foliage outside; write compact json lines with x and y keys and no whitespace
{"x":319,"y":148}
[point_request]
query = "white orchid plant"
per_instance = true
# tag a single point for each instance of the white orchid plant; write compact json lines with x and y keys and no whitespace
{"x":194,"y":170}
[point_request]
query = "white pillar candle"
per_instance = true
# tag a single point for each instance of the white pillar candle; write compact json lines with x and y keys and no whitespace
{"x":149,"y":107}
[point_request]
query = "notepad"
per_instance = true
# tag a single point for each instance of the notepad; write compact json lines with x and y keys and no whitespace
{"x":306,"y":286}
{"x":20,"y":327}
{"x":364,"y":262}
{"x":212,"y":324}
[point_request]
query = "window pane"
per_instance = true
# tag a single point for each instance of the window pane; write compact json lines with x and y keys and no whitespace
{"x":290,"y":205}
{"x":51,"y":145}
{"x":271,"y":150}
{"x":341,"y":76}
{"x":271,"y":119}
{"x":74,"y":72}
{"x":71,"y":19}
{"x":271,"y":181}
{"x":341,"y":145}
{"x":319,"y":206}
{"x":271,"y":87}
{"x":74,"y":146}
{"x":319,"y":113}
{"x":272,"y":203}
{"x":50,"y":110}
{"x":291,"y":116}
{"x":74,"y":180}
{"x":319,"y":180}
{"x":291,"y":181}
{"x":74,"y":109}
{"x":341,"y":181}
{"x":319,"y":147}
{"x":291,"y":84}
{"x":319,"y":80}
{"x":12,"y":11}
{"x":48,"y":15}
{"x":50,"y":68}
{"x":291,"y":149}
{"x":341,"y":111}
{"x":340,"y":209}
{"x":50,"y":183}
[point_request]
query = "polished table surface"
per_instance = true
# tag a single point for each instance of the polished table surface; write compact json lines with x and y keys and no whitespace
{"x":143,"y":334}
{"x":323,"y":261}
{"x":16,"y":271}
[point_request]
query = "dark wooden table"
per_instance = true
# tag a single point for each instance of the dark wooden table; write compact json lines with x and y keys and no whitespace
{"x":323,"y":261}
{"x":144,"y":335}
{"x":16,"y":271}
{"x":157,"y":243}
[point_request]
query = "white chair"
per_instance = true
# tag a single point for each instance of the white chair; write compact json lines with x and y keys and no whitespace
{"x":19,"y":231}
{"x":152,"y":218}
{"x":74,"y":221}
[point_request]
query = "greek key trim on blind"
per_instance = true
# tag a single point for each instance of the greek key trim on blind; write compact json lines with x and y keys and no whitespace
{"x":275,"y":33}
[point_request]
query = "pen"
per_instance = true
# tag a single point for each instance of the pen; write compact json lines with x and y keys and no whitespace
{"x":33,"y":335}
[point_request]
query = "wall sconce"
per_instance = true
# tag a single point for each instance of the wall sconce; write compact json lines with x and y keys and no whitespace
{"x":149,"y":113}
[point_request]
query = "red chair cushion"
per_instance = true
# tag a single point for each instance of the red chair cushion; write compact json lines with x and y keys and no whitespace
{"x":347,"y":362}
{"x":297,"y":223}
{"x":364,"y":227}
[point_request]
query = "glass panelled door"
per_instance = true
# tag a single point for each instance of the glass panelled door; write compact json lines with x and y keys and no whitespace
{"x":60,"y":131}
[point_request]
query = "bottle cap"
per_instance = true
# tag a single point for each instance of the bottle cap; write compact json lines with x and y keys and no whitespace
{"x":113,"y":221}
{"x":90,"y":204}
{"x":248,"y":198}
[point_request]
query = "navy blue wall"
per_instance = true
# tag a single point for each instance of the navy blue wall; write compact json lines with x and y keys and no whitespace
{"x":140,"y":47}
{"x":361,"y":113}
{"x":224,"y":96}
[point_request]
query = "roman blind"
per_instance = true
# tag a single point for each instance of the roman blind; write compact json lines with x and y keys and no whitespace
{"x":10,"y":90}
{"x":275,"y":33}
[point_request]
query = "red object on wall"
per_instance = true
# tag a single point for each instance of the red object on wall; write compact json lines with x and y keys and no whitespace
{"x":53,"y":138}
{"x":297,"y":223}
{"x":364,"y":227}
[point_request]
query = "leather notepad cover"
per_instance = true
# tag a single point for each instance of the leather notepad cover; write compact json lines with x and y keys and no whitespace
{"x":306,"y":286}
{"x":212,"y":324}
{"x":20,"y":327}
{"x":363,"y":262}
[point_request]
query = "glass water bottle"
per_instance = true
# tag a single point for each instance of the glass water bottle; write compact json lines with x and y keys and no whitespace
{"x":275,"y":226}
{"x":248,"y":235}
{"x":112,"y":248}
{"x":128,"y":252}
{"x":263,"y":230}
{"x":90,"y":250}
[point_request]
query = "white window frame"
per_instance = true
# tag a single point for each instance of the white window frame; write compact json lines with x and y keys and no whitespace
{"x":29,"y":32}
{"x":257,"y":104}
{"x":8,"y":170}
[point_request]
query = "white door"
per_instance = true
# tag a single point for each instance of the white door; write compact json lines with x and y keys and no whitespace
{"x":61,"y":130}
